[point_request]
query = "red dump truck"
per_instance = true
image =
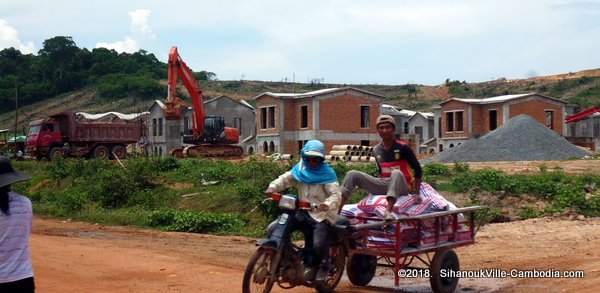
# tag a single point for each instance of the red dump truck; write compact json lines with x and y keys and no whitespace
{"x":62,"y":135}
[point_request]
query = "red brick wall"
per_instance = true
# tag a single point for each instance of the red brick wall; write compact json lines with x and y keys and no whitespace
{"x":293,"y":115}
{"x":342,"y":114}
{"x":533,"y":106}
{"x":536,"y":109}
{"x":452,"y":106}
{"x":267,"y":101}
{"x":339,"y":113}
{"x":481,"y":118}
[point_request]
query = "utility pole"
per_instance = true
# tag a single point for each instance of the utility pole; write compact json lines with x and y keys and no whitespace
{"x":16,"y":115}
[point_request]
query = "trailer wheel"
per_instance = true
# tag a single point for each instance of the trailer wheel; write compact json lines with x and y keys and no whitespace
{"x":444,"y":259}
{"x":119,"y":152}
{"x":54,"y":153}
{"x":100,"y":152}
{"x":361,"y":269}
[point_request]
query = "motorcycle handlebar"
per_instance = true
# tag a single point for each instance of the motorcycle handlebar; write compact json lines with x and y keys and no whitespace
{"x":302,"y":204}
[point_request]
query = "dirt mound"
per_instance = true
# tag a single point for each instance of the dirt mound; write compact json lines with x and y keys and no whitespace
{"x":522,"y":138}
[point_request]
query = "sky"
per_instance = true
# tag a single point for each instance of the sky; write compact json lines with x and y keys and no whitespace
{"x":346,"y":42}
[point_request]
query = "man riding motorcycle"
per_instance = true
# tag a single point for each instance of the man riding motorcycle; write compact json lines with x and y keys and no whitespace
{"x":316,"y":182}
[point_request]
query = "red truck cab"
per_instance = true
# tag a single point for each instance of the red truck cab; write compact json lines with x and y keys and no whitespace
{"x":43,"y":134}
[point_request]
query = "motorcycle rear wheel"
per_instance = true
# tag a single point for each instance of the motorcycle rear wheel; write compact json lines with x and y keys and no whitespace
{"x":257,"y":277}
{"x":337,"y":254}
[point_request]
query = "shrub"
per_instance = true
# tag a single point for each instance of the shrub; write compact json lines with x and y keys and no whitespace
{"x":592,"y":207}
{"x":460,"y":167}
{"x":529,"y":213}
{"x":196,"y":222}
{"x":488,"y":180}
{"x":436,"y":169}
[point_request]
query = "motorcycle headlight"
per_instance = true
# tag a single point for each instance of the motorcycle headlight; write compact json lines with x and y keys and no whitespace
{"x":287,"y":202}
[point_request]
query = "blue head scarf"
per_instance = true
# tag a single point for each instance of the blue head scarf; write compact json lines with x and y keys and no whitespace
{"x":321,"y":174}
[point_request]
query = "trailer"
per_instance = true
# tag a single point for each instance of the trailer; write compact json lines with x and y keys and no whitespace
{"x":62,"y":135}
{"x":415,"y":246}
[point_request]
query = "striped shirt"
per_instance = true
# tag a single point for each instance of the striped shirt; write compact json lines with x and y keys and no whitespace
{"x":15,"y":260}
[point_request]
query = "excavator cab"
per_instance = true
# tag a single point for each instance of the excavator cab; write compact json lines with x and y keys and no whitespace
{"x":214,"y":129}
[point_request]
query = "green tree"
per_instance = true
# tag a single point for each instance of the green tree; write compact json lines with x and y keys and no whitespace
{"x":60,"y":52}
{"x":205,"y":75}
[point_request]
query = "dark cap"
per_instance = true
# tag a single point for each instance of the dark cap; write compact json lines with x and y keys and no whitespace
{"x":384,"y":119}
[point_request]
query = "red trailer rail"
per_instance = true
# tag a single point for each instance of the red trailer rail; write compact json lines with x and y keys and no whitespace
{"x":396,"y":244}
{"x":581,"y":115}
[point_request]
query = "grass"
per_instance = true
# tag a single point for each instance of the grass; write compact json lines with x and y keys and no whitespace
{"x":104,"y":192}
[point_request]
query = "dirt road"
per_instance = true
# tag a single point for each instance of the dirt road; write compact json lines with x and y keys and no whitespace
{"x":80,"y":257}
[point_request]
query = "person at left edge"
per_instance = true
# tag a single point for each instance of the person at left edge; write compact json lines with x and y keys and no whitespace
{"x":16,"y":217}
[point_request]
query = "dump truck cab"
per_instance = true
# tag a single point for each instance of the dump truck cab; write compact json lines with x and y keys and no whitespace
{"x":43,"y":135}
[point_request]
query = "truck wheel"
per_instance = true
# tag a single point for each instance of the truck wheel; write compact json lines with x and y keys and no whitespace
{"x":119,"y":152}
{"x":444,"y":259}
{"x":100,"y":152}
{"x":54,"y":153}
{"x":361,"y":269}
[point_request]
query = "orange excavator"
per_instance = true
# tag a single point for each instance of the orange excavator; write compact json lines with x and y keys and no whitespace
{"x":208,"y":136}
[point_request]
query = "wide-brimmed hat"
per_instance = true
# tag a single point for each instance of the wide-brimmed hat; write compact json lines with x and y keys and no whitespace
{"x":8,"y":175}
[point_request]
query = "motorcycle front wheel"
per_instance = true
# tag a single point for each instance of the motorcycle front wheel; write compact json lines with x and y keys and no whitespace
{"x":257,"y":277}
{"x":337,"y":254}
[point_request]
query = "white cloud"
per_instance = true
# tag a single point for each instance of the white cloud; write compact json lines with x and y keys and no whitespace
{"x":128,"y":45}
{"x":139,"y":23}
{"x":9,"y":37}
{"x":139,"y":27}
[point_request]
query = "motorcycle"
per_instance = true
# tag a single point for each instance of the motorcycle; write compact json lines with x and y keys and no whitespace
{"x":279,"y":260}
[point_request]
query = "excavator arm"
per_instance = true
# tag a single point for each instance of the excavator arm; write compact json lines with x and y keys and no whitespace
{"x":177,"y":69}
{"x":210,"y":137}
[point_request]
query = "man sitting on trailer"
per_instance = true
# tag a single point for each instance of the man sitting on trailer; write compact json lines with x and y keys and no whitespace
{"x":400,"y":172}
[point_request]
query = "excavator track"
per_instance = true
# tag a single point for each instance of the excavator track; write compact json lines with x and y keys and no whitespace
{"x":208,"y":151}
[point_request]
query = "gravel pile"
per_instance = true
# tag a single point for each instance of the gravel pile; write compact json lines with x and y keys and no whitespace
{"x":521,"y":138}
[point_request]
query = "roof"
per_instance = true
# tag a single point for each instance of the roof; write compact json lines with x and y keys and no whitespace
{"x":390,"y":108}
{"x":427,"y":142}
{"x":426,"y":115}
{"x":120,"y":115}
{"x":408,"y":112}
{"x":313,"y":93}
{"x":393,"y":110}
{"x":499,"y":99}
{"x":162,"y":105}
{"x":237,"y":101}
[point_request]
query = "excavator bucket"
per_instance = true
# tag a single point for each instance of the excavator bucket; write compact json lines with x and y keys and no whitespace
{"x":172,"y":111}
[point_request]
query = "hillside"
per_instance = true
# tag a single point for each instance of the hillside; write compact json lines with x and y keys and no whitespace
{"x":580,"y":88}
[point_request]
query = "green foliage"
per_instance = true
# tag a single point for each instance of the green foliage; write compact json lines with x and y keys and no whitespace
{"x":62,"y":67}
{"x":460,"y":167}
{"x":592,"y":207}
{"x":205,"y":75}
{"x":103,"y":191}
{"x":587,"y":98}
{"x":529,"y":213}
{"x":116,"y":85}
{"x":196,"y":222}
{"x":488,"y":180}
{"x":458,"y":89}
{"x":435,"y":169}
